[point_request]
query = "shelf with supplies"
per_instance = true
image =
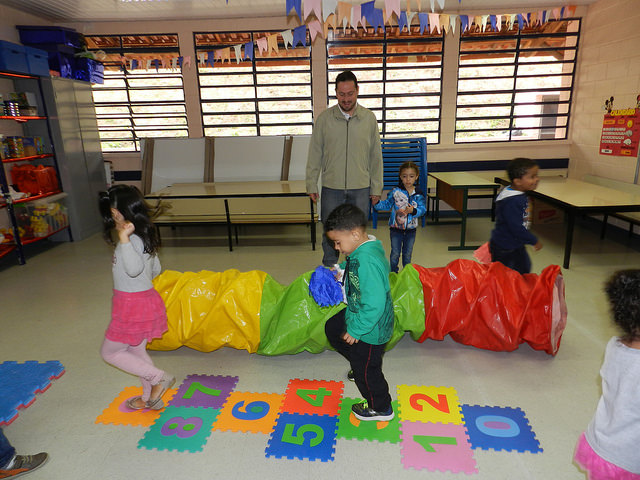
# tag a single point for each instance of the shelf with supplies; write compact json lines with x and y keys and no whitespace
{"x":32,"y":203}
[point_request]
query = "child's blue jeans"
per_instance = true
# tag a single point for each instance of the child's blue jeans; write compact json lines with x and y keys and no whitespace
{"x":401,"y":243}
{"x":6,"y":450}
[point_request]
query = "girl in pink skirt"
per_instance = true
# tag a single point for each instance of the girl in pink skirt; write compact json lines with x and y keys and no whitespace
{"x":138,"y":313}
{"x":610,"y":448}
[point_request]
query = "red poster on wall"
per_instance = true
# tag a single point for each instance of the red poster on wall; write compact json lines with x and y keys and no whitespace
{"x":621,"y":133}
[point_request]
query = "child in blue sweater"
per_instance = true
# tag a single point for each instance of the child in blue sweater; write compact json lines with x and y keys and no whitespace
{"x":406,"y":203}
{"x":511,"y":233}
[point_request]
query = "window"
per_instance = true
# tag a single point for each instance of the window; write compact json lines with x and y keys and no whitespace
{"x":267,"y":95}
{"x":143,"y":99}
{"x":516,"y":85}
{"x":399,"y":77}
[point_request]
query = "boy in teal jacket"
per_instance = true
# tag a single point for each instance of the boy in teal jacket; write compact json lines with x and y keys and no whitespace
{"x":361,"y":331}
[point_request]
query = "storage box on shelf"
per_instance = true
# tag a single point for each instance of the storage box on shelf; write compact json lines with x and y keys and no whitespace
{"x":32,"y":206}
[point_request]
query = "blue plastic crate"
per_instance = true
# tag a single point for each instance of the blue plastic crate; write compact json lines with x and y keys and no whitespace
{"x":37,"y":34}
{"x":38,"y":61}
{"x":13,"y":58}
{"x":62,"y":63}
{"x":88,"y":70}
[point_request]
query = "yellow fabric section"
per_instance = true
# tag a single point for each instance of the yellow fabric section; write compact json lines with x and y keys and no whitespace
{"x":209,"y":310}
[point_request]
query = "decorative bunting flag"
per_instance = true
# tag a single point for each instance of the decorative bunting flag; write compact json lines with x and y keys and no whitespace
{"x":315,"y":27}
{"x":402,"y":22}
{"x":313,"y":6}
{"x":392,"y":6}
{"x":300,"y":36}
{"x":287,"y":37}
{"x":464,"y":23}
{"x":295,"y":4}
{"x":262,"y":45}
{"x":453,"y":19}
{"x":424,"y":22}
{"x":248,"y":51}
{"x":357,"y":18}
{"x":328,"y":7}
{"x":366,"y":9}
{"x":344,"y":15}
{"x":434,"y":22}
{"x":236,"y":52}
{"x":272,"y":43}
{"x":444,"y":23}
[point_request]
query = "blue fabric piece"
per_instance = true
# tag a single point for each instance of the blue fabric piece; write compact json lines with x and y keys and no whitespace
{"x":464,"y":23}
{"x":493,"y":20}
{"x":248,"y":51}
{"x":296,"y":5}
{"x":403,"y":22}
{"x":324,"y":288}
{"x":211,"y":58}
{"x":366,"y":10}
{"x":300,"y":36}
{"x":424,"y":22}
{"x":378,"y":21}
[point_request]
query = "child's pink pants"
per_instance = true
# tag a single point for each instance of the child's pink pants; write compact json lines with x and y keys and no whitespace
{"x":135,"y":360}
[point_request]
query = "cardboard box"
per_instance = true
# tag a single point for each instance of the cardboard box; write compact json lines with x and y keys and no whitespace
{"x":543,"y":213}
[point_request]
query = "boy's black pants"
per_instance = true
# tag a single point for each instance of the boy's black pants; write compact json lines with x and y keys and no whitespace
{"x":365,"y":360}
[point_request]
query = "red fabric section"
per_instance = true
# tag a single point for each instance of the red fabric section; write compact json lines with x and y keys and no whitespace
{"x":493,"y":307}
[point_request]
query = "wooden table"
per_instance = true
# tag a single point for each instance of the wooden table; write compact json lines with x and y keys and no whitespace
{"x":246,"y":190}
{"x":453,"y":188}
{"x":576,"y":197}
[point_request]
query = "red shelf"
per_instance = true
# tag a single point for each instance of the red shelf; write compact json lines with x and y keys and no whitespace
{"x":36,"y":197}
{"x":6,"y":248}
{"x":25,"y":159}
{"x":27,"y":241}
{"x":21,"y":118}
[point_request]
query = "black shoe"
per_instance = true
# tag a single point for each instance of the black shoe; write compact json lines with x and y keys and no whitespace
{"x":363,"y":412}
{"x":351,"y":376}
{"x":22,"y":464}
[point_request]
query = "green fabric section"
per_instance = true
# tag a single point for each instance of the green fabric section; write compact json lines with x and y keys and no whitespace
{"x":292,"y":322}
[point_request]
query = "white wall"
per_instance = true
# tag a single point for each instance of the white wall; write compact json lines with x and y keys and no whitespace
{"x":608,"y":65}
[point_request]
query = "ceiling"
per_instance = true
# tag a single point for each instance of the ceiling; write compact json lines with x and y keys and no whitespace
{"x":66,"y":11}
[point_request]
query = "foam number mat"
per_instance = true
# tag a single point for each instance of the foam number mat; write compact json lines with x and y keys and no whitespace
{"x":20,"y":382}
{"x":118,"y":413}
{"x":436,"y":446}
{"x":209,"y":391}
{"x":180,"y":428}
{"x":249,"y":412}
{"x":499,"y":428}
{"x":303,"y":436}
{"x":350,"y":428}
{"x":319,"y":397}
{"x":429,"y":404}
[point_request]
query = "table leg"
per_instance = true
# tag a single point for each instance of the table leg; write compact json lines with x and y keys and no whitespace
{"x":463,"y":225}
{"x":226,"y":211}
{"x":571,"y":218}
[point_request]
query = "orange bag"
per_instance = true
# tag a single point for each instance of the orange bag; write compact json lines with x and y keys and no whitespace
{"x":24,"y":179}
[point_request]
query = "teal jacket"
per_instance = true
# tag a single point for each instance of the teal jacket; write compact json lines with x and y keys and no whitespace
{"x":369,"y":315}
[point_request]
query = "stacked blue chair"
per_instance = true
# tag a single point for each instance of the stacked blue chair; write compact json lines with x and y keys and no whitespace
{"x":396,"y":151}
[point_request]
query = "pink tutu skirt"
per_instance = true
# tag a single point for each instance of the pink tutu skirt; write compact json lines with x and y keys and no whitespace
{"x":136,"y":316}
{"x":598,"y":468}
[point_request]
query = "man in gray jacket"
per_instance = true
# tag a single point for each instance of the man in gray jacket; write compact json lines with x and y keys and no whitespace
{"x":345,"y":148}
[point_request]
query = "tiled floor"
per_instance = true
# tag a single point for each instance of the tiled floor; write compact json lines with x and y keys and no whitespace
{"x":57,"y":305}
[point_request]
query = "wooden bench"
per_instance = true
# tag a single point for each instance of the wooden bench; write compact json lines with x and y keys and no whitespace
{"x":633,"y":218}
{"x":236,"y":203}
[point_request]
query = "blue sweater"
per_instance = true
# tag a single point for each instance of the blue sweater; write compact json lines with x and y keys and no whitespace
{"x":512,"y":220}
{"x":399,"y":198}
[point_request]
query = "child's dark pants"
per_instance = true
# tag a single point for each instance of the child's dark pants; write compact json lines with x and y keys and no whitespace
{"x":517,"y":259}
{"x":366,"y":362}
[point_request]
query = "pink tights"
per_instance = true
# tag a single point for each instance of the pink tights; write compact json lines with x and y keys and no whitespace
{"x":135,"y":360}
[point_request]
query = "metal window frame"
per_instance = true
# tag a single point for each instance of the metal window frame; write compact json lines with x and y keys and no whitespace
{"x":515,"y":64}
{"x":384,"y":55}
{"x":126,"y":76}
{"x":256,"y":72}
